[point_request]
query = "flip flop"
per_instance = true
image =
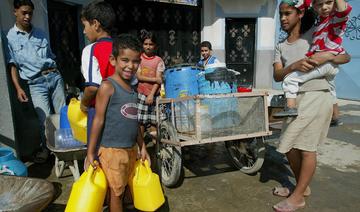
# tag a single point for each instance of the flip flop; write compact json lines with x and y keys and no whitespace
{"x":281,"y":191}
{"x":285,"y":206}
{"x":285,"y":192}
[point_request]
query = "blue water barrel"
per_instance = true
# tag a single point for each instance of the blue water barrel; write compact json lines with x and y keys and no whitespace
{"x":64,"y":121}
{"x":181,"y":80}
{"x":10,"y":165}
{"x":217,"y":79}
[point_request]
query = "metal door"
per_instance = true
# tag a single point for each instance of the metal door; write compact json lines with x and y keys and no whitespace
{"x":348,"y":78}
{"x":240,"y":47}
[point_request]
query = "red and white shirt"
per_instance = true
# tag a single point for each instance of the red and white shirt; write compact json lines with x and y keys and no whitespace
{"x":328,"y":34}
{"x":149,"y":66}
{"x":95,"y":63}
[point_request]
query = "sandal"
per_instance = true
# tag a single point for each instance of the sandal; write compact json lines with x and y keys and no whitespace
{"x":281,"y":191}
{"x":41,"y":156}
{"x":285,"y":206}
{"x":285,"y":192}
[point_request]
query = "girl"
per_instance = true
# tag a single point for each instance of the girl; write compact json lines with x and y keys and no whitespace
{"x":302,"y":134}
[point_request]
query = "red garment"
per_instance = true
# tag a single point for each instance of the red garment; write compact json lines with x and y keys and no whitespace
{"x":148,"y":67}
{"x":328,"y":33}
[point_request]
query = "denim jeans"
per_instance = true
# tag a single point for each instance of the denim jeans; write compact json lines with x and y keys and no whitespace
{"x":47,"y":94}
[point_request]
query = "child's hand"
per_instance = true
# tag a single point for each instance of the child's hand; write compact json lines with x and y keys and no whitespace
{"x":149,"y":99}
{"x":91,"y":161}
{"x":158,"y":80}
{"x":144,"y":155}
{"x":305,"y":65}
{"x":322,"y":57}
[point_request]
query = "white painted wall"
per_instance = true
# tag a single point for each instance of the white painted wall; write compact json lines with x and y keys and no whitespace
{"x":213,"y":29}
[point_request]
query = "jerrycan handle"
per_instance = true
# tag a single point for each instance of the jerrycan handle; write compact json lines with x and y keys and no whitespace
{"x":90,"y":173}
{"x":142,"y":166}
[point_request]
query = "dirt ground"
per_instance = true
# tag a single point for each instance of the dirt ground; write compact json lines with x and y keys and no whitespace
{"x":212,"y":183}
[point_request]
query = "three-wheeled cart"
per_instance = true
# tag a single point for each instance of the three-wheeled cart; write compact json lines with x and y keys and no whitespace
{"x":238,"y":119}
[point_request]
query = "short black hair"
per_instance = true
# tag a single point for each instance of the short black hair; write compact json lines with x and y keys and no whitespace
{"x":102,"y":12}
{"x":206,"y":44}
{"x":19,"y":3}
{"x":149,"y":35}
{"x":125,"y":41}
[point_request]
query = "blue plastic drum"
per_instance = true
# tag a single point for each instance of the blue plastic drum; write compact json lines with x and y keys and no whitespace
{"x":181,"y":80}
{"x":217,"y":79}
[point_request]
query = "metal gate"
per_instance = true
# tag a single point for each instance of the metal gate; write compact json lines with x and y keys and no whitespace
{"x":240,"y":48}
{"x":348,"y":78}
{"x":64,"y":39}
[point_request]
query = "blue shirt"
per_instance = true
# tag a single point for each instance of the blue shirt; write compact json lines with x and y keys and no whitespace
{"x":211,"y":60}
{"x":30,"y":52}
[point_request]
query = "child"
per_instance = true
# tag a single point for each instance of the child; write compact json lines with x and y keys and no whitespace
{"x":327,"y":39}
{"x":206,"y":49}
{"x":98,"y":20}
{"x":115,"y":123}
{"x":149,"y":76}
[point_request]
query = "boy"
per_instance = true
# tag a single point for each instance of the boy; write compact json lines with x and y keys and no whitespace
{"x":149,"y":76}
{"x":31,"y":59}
{"x":115,"y":123}
{"x":207,"y":58}
{"x":327,"y":39}
{"x":98,"y":19}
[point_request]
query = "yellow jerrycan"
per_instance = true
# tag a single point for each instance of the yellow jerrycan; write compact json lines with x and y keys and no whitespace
{"x":77,"y":120}
{"x":146,"y":188}
{"x":88,"y":192}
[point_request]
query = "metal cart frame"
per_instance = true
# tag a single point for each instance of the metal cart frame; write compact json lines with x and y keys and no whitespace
{"x":170,"y":139}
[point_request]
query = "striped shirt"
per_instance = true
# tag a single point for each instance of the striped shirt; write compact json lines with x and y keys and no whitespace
{"x":328,"y":33}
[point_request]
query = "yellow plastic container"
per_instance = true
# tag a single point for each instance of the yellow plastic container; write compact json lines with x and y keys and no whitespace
{"x":77,"y":120}
{"x":88,"y":192}
{"x":146,"y":189}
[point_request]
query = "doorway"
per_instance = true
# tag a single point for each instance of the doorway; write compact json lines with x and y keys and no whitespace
{"x":240,"y":48}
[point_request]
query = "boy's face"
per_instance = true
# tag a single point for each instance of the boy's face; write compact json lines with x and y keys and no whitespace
{"x":126,"y":63}
{"x":23,"y":17}
{"x":89,"y":30}
{"x":149,"y":47}
{"x":324,"y":7}
{"x":205,"y":52}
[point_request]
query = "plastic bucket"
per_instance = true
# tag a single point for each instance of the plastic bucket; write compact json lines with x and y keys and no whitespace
{"x":181,"y":80}
{"x":77,"y":120}
{"x":10,"y":165}
{"x":217,"y":79}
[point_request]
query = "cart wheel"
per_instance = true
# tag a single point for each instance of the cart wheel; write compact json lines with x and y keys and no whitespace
{"x":59,"y":167}
{"x":169,"y":159}
{"x":247,"y":154}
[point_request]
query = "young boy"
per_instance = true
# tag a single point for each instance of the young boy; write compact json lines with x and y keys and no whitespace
{"x":327,"y":39}
{"x":207,"y":58}
{"x":115,"y":123}
{"x":149,"y":76}
{"x":98,"y":19}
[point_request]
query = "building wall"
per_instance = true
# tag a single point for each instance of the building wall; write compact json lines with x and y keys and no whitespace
{"x":213,"y":22}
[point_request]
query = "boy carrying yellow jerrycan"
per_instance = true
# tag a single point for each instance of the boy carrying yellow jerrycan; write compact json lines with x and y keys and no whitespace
{"x":88,"y":193}
{"x":77,"y":120}
{"x":146,"y":188}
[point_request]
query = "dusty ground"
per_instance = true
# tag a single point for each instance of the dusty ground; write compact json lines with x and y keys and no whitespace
{"x":211,"y":183}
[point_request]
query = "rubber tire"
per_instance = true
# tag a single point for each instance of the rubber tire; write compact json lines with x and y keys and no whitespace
{"x":173,"y":176}
{"x":238,"y":153}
